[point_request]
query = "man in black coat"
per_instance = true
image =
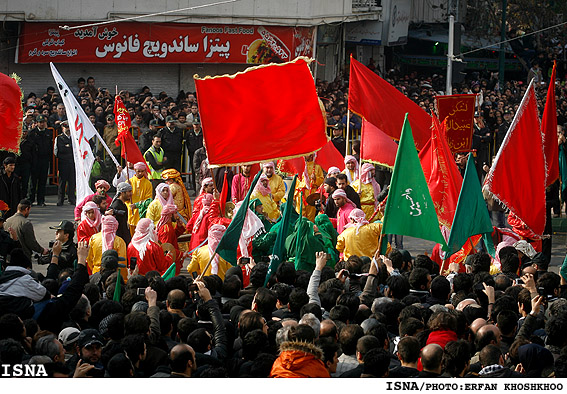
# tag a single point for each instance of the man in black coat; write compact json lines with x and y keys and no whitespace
{"x":10,"y":189}
{"x":63,"y":150}
{"x":43,"y":142}
{"x":194,"y":141}
{"x":172,"y":143}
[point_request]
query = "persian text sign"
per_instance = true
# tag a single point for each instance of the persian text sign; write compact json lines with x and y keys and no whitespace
{"x":163,"y":43}
{"x":459,"y":111}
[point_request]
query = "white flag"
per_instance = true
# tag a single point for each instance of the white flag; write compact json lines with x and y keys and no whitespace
{"x":82,"y":130}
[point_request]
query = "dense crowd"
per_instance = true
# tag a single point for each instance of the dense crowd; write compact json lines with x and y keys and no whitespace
{"x":133,"y":287}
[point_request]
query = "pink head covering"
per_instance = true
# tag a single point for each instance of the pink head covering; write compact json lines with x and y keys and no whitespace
{"x":98,"y":217}
{"x":102,"y":183}
{"x":166,"y":212}
{"x":341,"y":193}
{"x":162,"y":200}
{"x":109,"y":227}
{"x":207,"y":200}
{"x":145,"y":232}
{"x":140,"y":165}
{"x":268,"y":164}
{"x":264,"y":190}
{"x":333,"y":170}
{"x":366,"y":178}
{"x":359,"y":217}
{"x":348,"y":159}
{"x":206,"y":181}
{"x":215,"y":234}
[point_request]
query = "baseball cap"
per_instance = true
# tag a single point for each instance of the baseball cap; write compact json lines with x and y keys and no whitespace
{"x":169,"y":118}
{"x":69,"y":335}
{"x":196,"y":121}
{"x":64,"y":225}
{"x":110,"y":260}
{"x":40,"y":118}
{"x":88,"y":337}
{"x":123,"y":187}
{"x":154,"y":122}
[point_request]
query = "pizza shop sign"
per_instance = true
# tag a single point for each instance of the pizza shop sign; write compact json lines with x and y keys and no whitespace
{"x":163,"y":43}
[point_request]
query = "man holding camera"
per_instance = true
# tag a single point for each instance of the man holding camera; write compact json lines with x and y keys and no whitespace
{"x":64,"y":249}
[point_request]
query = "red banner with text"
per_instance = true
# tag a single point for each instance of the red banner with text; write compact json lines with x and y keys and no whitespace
{"x":163,"y":43}
{"x":459,"y":111}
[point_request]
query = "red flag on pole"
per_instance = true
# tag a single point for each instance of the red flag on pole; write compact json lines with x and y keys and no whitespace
{"x":327,"y":156}
{"x":11,"y":114}
{"x":261,"y":114}
{"x":517,"y":182}
{"x":376,"y":146}
{"x":129,"y":147}
{"x":443,"y":177}
{"x":549,"y":131}
{"x":459,"y":109}
{"x":384,"y":106}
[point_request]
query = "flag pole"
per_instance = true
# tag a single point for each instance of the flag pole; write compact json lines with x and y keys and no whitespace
{"x":347,"y":131}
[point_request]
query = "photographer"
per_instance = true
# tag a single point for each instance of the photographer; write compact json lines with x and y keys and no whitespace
{"x":64,"y":249}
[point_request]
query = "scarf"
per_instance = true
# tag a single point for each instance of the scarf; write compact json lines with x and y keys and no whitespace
{"x":166,"y":213}
{"x":159,"y":197}
{"x":333,"y":170}
{"x":102,"y":183}
{"x":342,"y":193}
{"x":366,"y":178}
{"x":348,"y":159}
{"x":264,"y":191}
{"x":215,"y":234}
{"x":145,"y":232}
{"x":252,"y":224}
{"x":109,"y":227}
{"x":207,"y":200}
{"x":205,"y":182}
{"x":359,"y":218}
{"x":98,"y":217}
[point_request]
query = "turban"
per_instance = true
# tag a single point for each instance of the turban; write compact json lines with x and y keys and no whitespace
{"x":268,"y":164}
{"x":166,"y":212}
{"x":205,"y":182}
{"x":367,"y":178}
{"x":102,"y":183}
{"x":359,"y":217}
{"x":170,"y":174}
{"x":98,"y":217}
{"x":215,"y":234}
{"x":341,"y":193}
{"x":349,"y":158}
{"x":333,"y":170}
{"x":140,"y":165}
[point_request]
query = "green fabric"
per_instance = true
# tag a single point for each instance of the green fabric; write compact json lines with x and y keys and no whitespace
{"x":226,"y":248}
{"x":563,"y":167}
{"x":263,"y":245}
{"x":409,"y":209}
{"x":170,"y":272}
{"x":303,"y":244}
{"x":281,"y":229}
{"x":329,"y":235}
{"x":117,"y":288}
{"x":96,"y":170}
{"x":471,"y":215}
{"x":143,"y":207}
{"x":255,"y":203}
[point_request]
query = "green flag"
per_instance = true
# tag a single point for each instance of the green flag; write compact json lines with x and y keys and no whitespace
{"x":278,"y":253}
{"x":409,"y":209}
{"x":471,"y":215}
{"x":229,"y":241}
{"x":170,"y":272}
{"x":117,"y":288}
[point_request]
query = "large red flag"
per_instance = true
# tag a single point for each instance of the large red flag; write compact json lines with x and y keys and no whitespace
{"x":11,"y":114}
{"x":376,"y":146}
{"x":385,"y":106}
{"x":261,"y":114}
{"x":517,"y":176}
{"x":443,"y":177}
{"x":549,"y":130}
{"x":130,"y":149}
{"x":459,"y":109}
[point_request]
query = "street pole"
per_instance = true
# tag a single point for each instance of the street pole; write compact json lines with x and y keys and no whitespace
{"x":449,"y":86}
{"x":502,"y":39}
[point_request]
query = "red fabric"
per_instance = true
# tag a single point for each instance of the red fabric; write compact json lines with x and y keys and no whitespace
{"x":517,"y":177}
{"x":168,"y":234}
{"x":85,"y":231}
{"x":443,"y":177}
{"x":224,"y":194}
{"x":458,"y":110}
{"x":154,"y":259}
{"x":376,"y":146}
{"x":458,"y":257}
{"x":441,"y":338}
{"x":261,"y":119}
{"x":292,"y":166}
{"x":549,"y":131}
{"x":11,"y":114}
{"x":130,"y":149}
{"x":3,"y":206}
{"x":329,"y":156}
{"x":384,"y":106}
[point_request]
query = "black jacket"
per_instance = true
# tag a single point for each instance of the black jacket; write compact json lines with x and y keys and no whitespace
{"x":42,"y":141}
{"x":64,"y":148}
{"x":10,"y":192}
{"x":172,"y":140}
{"x":123,"y":227}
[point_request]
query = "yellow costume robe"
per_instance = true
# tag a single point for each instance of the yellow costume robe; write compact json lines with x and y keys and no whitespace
{"x":95,"y":253}
{"x":365,"y":243}
{"x":200,"y":260}
{"x":141,"y":190}
{"x":154,"y":211}
{"x":271,"y":209}
{"x":183,"y":207}
{"x":301,"y":191}
{"x":277,"y":187}
{"x":367,"y":198}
